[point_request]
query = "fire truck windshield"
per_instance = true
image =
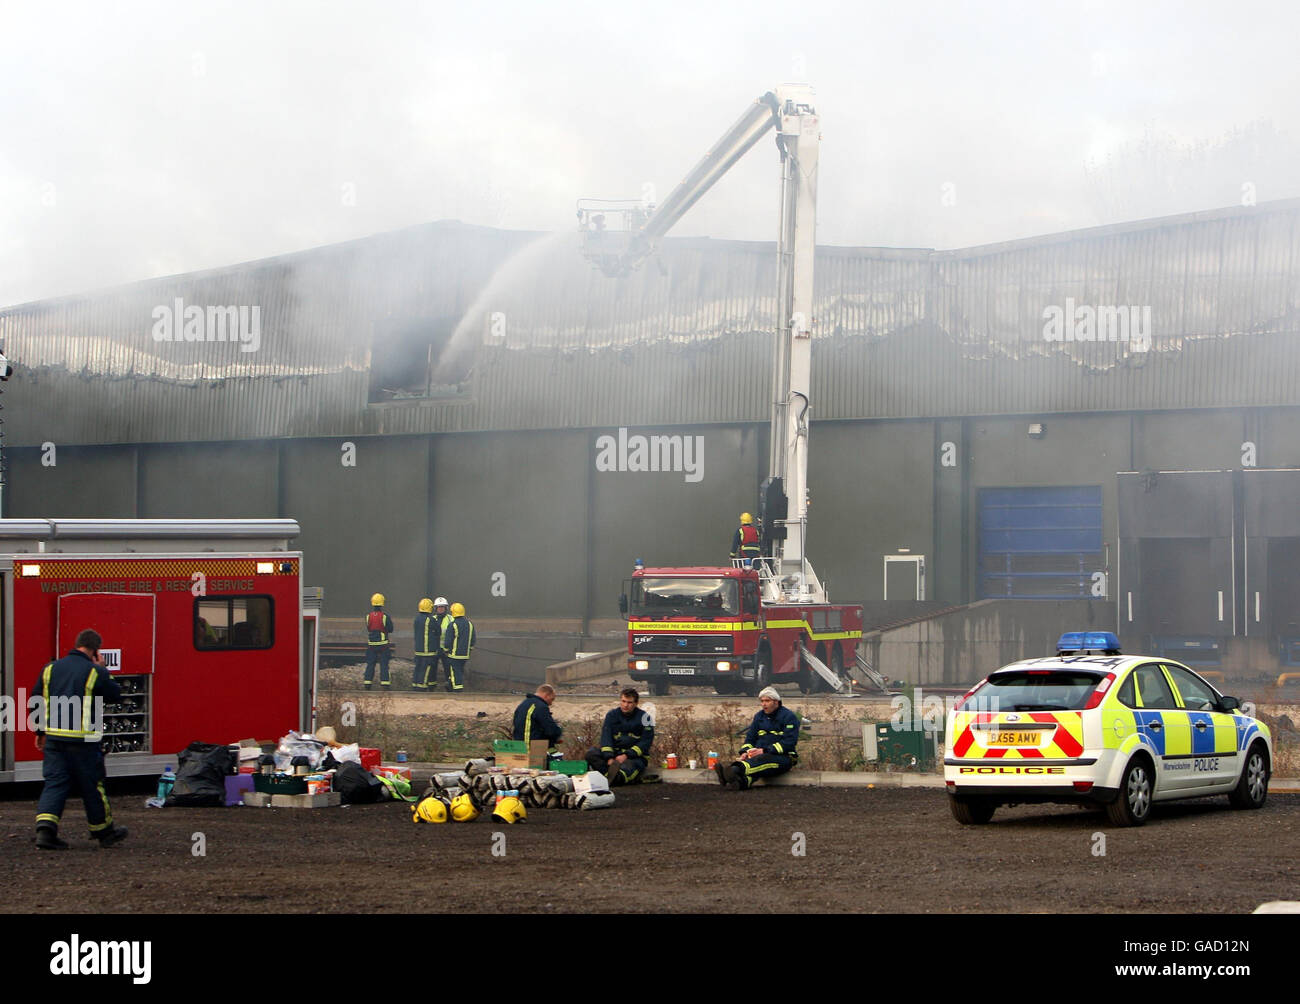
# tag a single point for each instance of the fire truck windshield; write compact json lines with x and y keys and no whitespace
{"x":684,"y":597}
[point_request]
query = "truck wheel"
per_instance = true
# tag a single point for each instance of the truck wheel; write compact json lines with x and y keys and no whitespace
{"x":1252,"y":789}
{"x":971,"y":811}
{"x":1135,"y":788}
{"x":762,"y":673}
{"x":659,"y":688}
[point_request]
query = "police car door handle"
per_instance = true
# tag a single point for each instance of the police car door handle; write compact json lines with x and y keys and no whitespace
{"x":1200,"y":726}
{"x":1155,"y":726}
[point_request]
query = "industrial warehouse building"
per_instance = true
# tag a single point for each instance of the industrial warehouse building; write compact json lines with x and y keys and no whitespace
{"x":1091,"y":429}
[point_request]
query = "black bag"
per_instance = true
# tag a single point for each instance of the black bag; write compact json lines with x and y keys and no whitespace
{"x":201,"y":775}
{"x":356,"y":785}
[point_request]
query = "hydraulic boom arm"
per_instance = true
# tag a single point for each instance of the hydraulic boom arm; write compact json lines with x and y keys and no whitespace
{"x":791,"y":112}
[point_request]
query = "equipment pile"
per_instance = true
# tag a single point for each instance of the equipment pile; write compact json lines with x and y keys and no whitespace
{"x":507,"y":792}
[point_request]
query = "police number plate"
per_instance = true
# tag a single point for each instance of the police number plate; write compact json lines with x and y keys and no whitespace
{"x":1013,"y":738}
{"x":681,"y":670}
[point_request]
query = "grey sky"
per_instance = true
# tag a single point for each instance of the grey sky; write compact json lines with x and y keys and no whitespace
{"x":145,"y":139}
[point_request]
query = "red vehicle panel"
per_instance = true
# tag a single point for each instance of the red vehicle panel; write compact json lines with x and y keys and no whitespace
{"x":210,"y":643}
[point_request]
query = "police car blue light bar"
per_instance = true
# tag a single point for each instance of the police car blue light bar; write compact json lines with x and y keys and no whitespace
{"x":1087,"y":642}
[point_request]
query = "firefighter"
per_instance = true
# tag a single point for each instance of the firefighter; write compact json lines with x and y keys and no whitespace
{"x":533,"y":717}
{"x":457,"y":644}
{"x":378,"y":628}
{"x":72,"y":690}
{"x":442,"y":616}
{"x":427,"y":639}
{"x":744,"y":542}
{"x":625,"y":739}
{"x":769,"y":747}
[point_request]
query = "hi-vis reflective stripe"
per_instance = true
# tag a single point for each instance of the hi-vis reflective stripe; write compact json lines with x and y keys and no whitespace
{"x":1066,"y":739}
{"x":86,"y":713}
{"x":706,"y":627}
{"x":817,"y":635}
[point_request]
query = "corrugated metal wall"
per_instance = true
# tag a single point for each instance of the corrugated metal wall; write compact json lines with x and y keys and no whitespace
{"x":554,"y":344}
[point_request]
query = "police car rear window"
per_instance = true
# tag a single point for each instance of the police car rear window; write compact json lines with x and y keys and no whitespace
{"x":1040,"y":690}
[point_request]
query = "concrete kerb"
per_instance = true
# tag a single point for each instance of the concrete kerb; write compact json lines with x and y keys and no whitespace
{"x":824,"y":778}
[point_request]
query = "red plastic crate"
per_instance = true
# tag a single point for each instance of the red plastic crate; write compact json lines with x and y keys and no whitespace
{"x":370,"y":758}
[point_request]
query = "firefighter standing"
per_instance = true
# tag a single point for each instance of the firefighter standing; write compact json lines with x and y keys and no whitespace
{"x":378,"y":628}
{"x":430,"y":623}
{"x":426,"y":640}
{"x":625,"y":738}
{"x":744,"y":542}
{"x":769,"y":747}
{"x":457,"y":643}
{"x":72,"y":690}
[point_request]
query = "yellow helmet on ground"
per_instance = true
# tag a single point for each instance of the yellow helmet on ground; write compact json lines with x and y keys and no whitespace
{"x":426,"y":606}
{"x":463,"y":809}
{"x":746,"y":519}
{"x":429,"y":810}
{"x":377,"y":600}
{"x":510,"y":810}
{"x":458,"y":609}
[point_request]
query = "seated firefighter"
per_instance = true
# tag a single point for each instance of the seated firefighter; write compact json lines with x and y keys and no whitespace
{"x":769,"y":747}
{"x":625,"y":739}
{"x":533,"y":717}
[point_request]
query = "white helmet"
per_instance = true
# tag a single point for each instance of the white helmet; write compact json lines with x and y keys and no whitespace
{"x":441,"y":601}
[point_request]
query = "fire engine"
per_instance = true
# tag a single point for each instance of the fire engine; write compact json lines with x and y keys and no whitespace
{"x":205,"y":623}
{"x":764,"y":619}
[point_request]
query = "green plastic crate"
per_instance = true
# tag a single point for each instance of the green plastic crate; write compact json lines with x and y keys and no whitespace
{"x":279,"y":784}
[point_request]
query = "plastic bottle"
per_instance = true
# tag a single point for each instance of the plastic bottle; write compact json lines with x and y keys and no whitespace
{"x":165,"y":782}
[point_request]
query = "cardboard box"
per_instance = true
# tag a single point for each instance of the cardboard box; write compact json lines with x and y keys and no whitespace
{"x":402,"y":771}
{"x":261,"y":800}
{"x":534,"y":757}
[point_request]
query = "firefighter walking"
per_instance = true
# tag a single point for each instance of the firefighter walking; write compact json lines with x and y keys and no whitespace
{"x":457,"y":644}
{"x":379,"y":626}
{"x":744,"y":542}
{"x":72,"y":690}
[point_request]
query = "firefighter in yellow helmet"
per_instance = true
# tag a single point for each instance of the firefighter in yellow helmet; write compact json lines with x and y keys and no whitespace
{"x":426,"y":641}
{"x":379,"y":629}
{"x":744,"y":542}
{"x":457,"y":644}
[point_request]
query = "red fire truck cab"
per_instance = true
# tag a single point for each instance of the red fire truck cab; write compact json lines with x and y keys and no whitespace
{"x":205,"y":626}
{"x":710,"y":626}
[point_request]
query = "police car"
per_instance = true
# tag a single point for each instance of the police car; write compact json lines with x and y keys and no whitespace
{"x":1097,"y":727}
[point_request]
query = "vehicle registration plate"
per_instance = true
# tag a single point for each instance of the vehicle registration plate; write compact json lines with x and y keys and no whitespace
{"x":1013,"y":738}
{"x":681,"y":670}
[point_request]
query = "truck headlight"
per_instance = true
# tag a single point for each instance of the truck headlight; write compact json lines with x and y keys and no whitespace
{"x":641,"y":664}
{"x":724,"y":666}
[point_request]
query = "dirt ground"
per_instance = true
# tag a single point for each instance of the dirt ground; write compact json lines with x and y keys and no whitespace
{"x":664,"y":848}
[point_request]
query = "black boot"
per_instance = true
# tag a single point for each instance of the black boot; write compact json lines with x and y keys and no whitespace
{"x":113,"y":835}
{"x":47,"y":838}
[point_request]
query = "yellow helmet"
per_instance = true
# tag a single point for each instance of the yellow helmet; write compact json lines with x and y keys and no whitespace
{"x":510,"y":810}
{"x":426,"y":606}
{"x":458,"y":609}
{"x":463,"y":809}
{"x":377,"y":600}
{"x":429,"y":810}
{"x":746,"y":519}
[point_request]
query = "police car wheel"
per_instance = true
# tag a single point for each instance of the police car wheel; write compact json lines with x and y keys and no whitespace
{"x":971,"y":811}
{"x":1252,"y":789}
{"x":1133,"y":805}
